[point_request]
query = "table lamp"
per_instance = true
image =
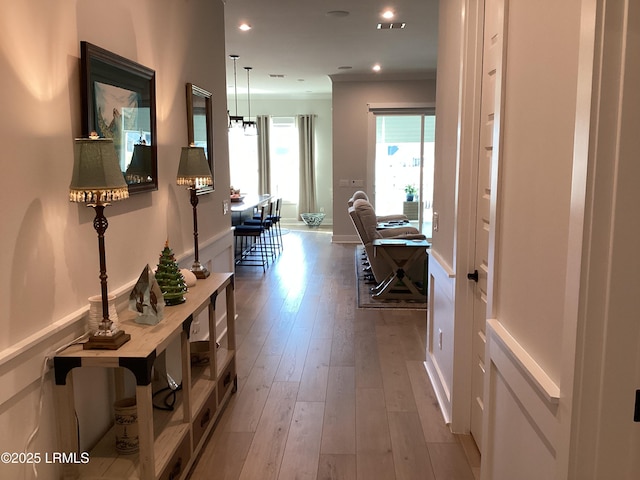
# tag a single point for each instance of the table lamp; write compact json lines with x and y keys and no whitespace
{"x":139,"y":170}
{"x":194,"y":172}
{"x":98,"y":181}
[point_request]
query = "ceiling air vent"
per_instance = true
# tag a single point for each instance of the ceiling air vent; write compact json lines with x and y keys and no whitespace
{"x":276,"y":75}
{"x":391,"y":25}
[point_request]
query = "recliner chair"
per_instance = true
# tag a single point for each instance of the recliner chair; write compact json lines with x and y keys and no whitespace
{"x":398,"y":256}
{"x":395,"y":218}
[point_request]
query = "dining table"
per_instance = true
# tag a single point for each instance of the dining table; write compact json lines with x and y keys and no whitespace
{"x":243,"y":207}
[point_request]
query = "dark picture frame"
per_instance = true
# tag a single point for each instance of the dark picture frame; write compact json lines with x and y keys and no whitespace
{"x":119,"y":102}
{"x":200,"y":125}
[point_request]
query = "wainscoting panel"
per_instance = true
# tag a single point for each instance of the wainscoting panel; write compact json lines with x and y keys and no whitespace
{"x":23,"y":364}
{"x":521,"y":441}
{"x":440,"y":332}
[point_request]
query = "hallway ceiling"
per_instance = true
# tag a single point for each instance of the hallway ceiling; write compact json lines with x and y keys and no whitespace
{"x":295,"y":45}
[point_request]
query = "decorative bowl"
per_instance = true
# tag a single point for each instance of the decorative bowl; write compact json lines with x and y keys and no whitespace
{"x":237,"y":199}
{"x":312,"y":219}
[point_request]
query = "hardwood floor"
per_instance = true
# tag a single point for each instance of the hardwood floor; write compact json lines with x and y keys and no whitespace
{"x":327,"y":390}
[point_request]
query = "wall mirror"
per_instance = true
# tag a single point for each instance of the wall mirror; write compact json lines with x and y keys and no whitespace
{"x":200,"y":125}
{"x":119,"y":102}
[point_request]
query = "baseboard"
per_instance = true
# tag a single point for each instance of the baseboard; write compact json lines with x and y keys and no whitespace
{"x":435,"y":380}
{"x":345,"y":239}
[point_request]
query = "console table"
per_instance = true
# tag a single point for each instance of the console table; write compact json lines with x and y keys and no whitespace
{"x":169,"y":440}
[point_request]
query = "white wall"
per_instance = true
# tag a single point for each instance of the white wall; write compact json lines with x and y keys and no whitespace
{"x":48,"y":247}
{"x":448,"y":100}
{"x":562,"y":348}
{"x":441,"y":344}
{"x":350,"y":134}
{"x":535,"y":175}
{"x":525,"y":347}
{"x":559,"y":304}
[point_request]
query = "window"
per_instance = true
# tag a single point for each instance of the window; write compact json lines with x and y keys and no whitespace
{"x":243,"y":160}
{"x":284,"y":158}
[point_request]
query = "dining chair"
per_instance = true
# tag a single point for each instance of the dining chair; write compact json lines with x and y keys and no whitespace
{"x":252,"y":250}
{"x":275,"y":217}
{"x":269,"y":240}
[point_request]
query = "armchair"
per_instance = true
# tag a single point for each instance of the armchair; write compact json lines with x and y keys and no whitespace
{"x":398,"y":256}
{"x":396,"y":218}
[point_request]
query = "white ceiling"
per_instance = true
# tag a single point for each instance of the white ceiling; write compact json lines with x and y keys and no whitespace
{"x":298,"y":39}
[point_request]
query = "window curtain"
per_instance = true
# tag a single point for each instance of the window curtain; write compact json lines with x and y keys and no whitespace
{"x":264,"y":161}
{"x":307,"y":143}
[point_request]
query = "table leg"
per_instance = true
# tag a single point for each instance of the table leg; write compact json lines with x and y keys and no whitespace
{"x":145,"y":432}
{"x":399,"y":275}
{"x":66,"y":424}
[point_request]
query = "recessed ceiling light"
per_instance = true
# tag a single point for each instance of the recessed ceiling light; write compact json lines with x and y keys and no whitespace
{"x":245,"y":27}
{"x":376,"y":67}
{"x":337,"y":13}
{"x":388,"y":14}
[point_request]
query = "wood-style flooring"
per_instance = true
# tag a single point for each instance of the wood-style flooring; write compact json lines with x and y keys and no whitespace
{"x":327,"y":390}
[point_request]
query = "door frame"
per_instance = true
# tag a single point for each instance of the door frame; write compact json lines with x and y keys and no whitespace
{"x":464,"y":251}
{"x":598,"y":435}
{"x":451,"y":294}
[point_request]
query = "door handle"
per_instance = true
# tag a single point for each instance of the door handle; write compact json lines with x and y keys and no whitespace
{"x":473,"y":276}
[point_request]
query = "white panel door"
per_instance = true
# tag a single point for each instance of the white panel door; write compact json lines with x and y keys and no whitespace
{"x":487,"y":155}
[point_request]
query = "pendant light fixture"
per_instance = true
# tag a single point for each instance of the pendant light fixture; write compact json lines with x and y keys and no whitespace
{"x":235,"y":120}
{"x":250,"y":127}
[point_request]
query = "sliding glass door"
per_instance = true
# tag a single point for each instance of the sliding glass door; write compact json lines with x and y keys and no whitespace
{"x":243,"y":161}
{"x":404,"y":150}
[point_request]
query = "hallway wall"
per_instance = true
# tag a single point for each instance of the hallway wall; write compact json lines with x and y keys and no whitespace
{"x":48,"y":246}
{"x":532,"y":197}
{"x":525,"y":344}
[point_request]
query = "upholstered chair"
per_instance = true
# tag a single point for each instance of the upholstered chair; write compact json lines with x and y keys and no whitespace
{"x":395,"y":218}
{"x":365,"y":222}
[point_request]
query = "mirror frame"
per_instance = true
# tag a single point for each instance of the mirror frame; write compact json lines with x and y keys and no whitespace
{"x":194,"y":92}
{"x":120,"y":75}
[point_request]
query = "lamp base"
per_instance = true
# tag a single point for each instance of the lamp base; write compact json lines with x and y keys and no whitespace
{"x":104,"y":342}
{"x":199,"y":270}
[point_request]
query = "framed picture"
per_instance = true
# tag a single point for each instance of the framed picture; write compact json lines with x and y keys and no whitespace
{"x":119,"y":102}
{"x":200,"y":126}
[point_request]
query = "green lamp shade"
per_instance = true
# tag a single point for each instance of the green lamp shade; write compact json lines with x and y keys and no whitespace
{"x":139,"y":170}
{"x":96,"y":177}
{"x":194,"y":170}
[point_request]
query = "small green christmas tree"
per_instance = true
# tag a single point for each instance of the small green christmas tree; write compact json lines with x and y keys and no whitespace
{"x":169,"y":277}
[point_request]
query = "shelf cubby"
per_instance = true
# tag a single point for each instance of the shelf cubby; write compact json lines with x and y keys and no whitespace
{"x":169,"y":439}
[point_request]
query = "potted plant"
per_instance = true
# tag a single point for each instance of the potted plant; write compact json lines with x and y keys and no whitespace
{"x":410,"y":190}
